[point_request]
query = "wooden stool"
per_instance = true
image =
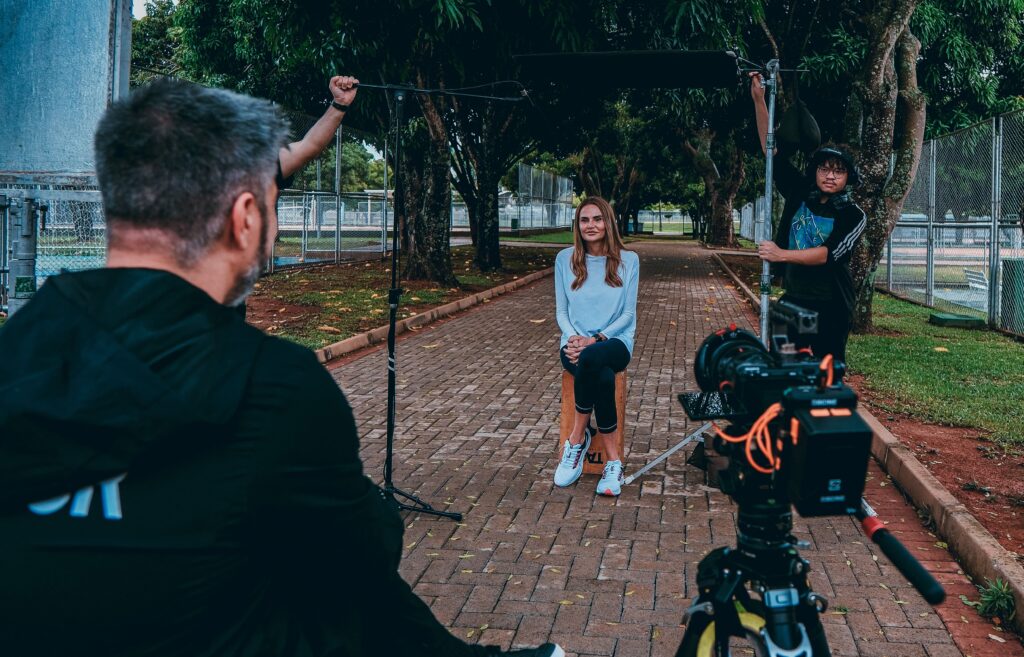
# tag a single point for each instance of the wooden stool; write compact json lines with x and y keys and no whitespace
{"x":594,"y":463}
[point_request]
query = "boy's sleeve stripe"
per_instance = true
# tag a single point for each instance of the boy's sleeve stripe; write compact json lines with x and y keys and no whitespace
{"x":851,"y":239}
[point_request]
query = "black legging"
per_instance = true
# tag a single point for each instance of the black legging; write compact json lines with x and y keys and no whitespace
{"x":594,"y":383}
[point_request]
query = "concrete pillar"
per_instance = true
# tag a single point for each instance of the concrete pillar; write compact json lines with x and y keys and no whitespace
{"x":63,"y":64}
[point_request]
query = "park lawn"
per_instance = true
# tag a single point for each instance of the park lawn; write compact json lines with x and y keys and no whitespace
{"x":317,"y":306}
{"x":561,"y":237}
{"x":959,"y":377}
{"x":565,"y":237}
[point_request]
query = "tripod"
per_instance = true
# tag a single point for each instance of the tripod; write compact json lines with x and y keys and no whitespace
{"x":403,"y":500}
{"x":785,"y":621}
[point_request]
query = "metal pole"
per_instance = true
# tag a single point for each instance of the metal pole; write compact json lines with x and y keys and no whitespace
{"x":762,"y":226}
{"x":683,"y":443}
{"x":4,"y":217}
{"x":337,"y":230}
{"x":929,"y":286}
{"x":997,"y":208}
{"x":22,"y":276}
{"x":384,"y":208}
{"x":394,"y":294}
{"x":339,"y":207}
{"x":888,"y":264}
{"x":305,"y":224}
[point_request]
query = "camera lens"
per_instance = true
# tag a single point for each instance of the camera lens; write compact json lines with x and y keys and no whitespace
{"x":722,"y":353}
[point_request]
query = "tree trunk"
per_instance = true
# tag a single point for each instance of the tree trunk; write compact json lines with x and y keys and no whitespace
{"x":488,"y":247}
{"x":429,"y":222}
{"x":721,"y":231}
{"x":429,"y":254}
{"x":889,"y":94}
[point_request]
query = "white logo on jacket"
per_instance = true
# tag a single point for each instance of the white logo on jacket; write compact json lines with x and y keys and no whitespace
{"x":110,"y":497}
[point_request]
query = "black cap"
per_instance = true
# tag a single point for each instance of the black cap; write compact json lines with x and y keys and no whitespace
{"x":830,"y":152}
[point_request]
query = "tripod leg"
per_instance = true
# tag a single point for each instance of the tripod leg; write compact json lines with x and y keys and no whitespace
{"x":416,"y":504}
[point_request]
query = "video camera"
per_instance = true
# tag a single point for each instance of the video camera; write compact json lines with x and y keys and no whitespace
{"x":795,"y":436}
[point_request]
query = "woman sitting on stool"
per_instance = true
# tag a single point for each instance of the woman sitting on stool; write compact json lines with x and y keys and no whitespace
{"x":595,"y":302}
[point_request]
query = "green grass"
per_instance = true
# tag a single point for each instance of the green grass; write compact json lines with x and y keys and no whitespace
{"x":959,"y":377}
{"x":562,"y":237}
{"x":669,"y":226}
{"x":915,"y":274}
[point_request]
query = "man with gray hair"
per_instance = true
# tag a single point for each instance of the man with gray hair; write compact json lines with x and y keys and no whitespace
{"x":172,"y":480}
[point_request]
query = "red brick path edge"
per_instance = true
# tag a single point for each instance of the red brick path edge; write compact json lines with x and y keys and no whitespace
{"x":979,"y":552}
{"x":380,"y":334}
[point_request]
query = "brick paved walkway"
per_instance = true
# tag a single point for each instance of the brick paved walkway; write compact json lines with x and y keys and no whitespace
{"x":478,"y":405}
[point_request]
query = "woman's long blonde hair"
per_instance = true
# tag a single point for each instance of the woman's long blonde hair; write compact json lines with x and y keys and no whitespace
{"x":612,"y":243}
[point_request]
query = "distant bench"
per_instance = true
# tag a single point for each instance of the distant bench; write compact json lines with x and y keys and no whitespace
{"x":976,"y":280}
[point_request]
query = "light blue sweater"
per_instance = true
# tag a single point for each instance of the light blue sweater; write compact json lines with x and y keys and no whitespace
{"x":596,"y":307}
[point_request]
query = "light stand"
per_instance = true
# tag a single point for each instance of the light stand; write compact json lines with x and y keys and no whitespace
{"x":403,"y":500}
{"x":762,"y":229}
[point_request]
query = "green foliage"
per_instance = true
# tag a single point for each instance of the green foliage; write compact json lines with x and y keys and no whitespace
{"x":970,"y":60}
{"x":155,"y":43}
{"x":359,"y":170}
{"x":996,"y":600}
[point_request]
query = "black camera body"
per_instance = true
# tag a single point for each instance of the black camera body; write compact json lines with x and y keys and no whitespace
{"x":795,"y":436}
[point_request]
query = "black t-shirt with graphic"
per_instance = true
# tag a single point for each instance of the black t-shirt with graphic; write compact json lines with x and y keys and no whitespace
{"x":806,"y":223}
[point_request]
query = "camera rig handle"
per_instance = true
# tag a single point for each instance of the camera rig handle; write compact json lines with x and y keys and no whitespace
{"x":905,"y":562}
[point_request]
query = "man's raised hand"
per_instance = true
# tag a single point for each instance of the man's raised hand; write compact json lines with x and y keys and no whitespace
{"x":343,"y":88}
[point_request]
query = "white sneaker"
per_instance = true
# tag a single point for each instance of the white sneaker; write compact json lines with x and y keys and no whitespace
{"x":571,"y":466}
{"x":611,"y":480}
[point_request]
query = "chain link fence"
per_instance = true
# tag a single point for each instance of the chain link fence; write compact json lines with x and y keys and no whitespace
{"x":543,"y":200}
{"x":668,"y":220}
{"x":318,"y":220}
{"x":958,"y":244}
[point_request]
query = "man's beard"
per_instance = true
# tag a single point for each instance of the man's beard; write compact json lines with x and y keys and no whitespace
{"x":245,"y":282}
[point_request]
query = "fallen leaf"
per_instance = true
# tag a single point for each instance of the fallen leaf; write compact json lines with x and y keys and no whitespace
{"x":941,"y":349}
{"x":998,"y":639}
{"x":538,"y":321}
{"x":328,"y":329}
{"x":432,"y":346}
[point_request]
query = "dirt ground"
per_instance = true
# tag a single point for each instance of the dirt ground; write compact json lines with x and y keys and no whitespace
{"x":983,"y":477}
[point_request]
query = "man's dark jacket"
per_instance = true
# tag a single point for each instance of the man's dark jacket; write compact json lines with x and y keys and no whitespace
{"x":175,"y":482}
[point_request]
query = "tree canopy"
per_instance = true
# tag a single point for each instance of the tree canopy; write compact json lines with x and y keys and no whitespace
{"x":870,"y":69}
